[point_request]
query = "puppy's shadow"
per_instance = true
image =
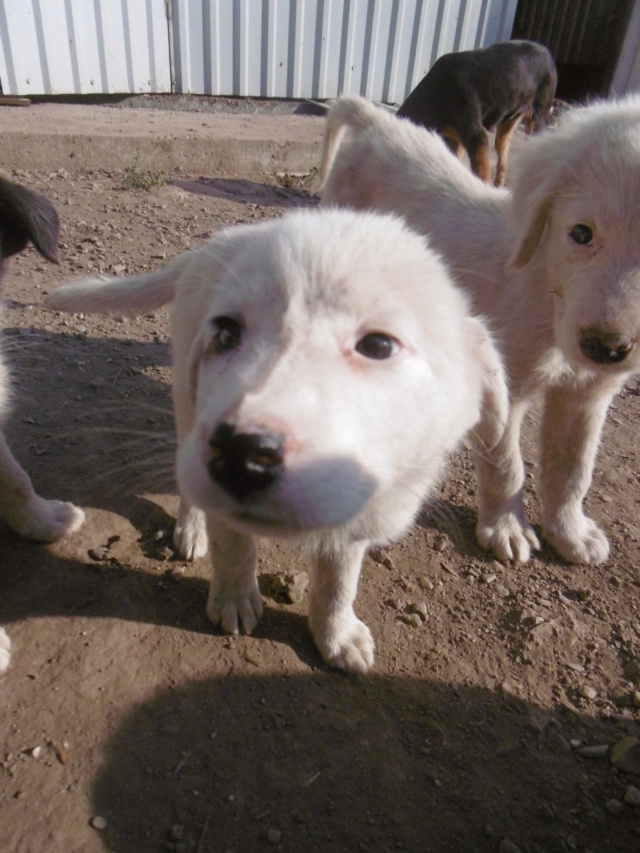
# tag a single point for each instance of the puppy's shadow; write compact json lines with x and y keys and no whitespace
{"x":249,"y":192}
{"x":335,"y":763}
{"x":36,"y":582}
{"x":92,"y":419}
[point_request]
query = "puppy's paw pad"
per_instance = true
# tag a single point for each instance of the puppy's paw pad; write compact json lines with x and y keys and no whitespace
{"x":190,"y":538}
{"x":508,"y":538}
{"x":235,"y":610}
{"x":46,"y":521}
{"x":352,"y":650}
{"x":581,"y":542}
{"x":5,"y":650}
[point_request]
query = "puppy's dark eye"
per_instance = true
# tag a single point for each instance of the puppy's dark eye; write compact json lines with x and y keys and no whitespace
{"x":227,"y":334}
{"x":581,"y":234}
{"x":377,"y":345}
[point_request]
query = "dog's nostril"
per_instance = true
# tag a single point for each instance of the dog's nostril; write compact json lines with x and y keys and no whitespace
{"x":242,"y":463}
{"x":604,"y":348}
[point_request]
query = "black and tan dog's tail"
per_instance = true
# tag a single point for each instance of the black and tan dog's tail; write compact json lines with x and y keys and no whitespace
{"x":351,"y":113}
{"x":130,"y":296}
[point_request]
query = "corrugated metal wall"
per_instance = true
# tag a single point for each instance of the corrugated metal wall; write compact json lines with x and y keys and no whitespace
{"x":574,"y":32}
{"x":58,"y":47}
{"x":627,"y":74}
{"x":322,"y":48}
{"x":267,"y":48}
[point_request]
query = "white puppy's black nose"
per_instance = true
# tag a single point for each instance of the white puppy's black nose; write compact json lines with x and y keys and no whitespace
{"x":242,"y":463}
{"x":604,"y":347}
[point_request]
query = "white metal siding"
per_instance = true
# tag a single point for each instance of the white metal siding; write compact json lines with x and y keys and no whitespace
{"x":323,"y":48}
{"x":83,"y":47}
{"x":268,"y":48}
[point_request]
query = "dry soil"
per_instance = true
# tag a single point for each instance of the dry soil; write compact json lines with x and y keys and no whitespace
{"x":499,"y":713}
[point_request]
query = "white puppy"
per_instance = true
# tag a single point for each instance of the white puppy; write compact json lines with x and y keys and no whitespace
{"x":324,"y":368}
{"x":26,"y":215}
{"x":554,"y":266}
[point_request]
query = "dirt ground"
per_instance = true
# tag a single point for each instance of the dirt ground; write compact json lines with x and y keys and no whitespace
{"x":503,"y":709}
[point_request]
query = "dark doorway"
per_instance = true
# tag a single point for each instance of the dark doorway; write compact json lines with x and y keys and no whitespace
{"x":584,"y":36}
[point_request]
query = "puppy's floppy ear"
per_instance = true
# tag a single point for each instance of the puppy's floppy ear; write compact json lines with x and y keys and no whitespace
{"x":495,"y":397}
{"x":537,"y":180}
{"x":27,"y":215}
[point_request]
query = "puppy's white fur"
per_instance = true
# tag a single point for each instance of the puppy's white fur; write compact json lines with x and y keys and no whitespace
{"x":546,"y":295}
{"x":365,"y":431}
{"x":28,"y":514}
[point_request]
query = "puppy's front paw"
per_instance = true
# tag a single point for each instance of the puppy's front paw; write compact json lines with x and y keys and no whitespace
{"x":46,"y":521}
{"x":349,"y":646}
{"x":235,"y":606}
{"x":578,"y":541}
{"x":5,"y":650}
{"x":190,"y":535}
{"x":508,"y":536}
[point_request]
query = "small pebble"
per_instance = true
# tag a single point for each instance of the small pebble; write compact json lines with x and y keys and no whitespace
{"x":587,"y":692}
{"x":98,"y":553}
{"x":410,"y":619}
{"x":636,"y":698}
{"x":426,"y":584}
{"x":625,"y":755}
{"x":598,"y":751}
{"x":36,"y":751}
{"x":614,"y":807}
{"x":177,"y":573}
{"x":177,"y":832}
{"x":632,"y":795}
{"x":502,"y":591}
{"x":632,"y":670}
{"x":98,"y":822}
{"x":420,"y":608}
{"x":274,"y":836}
{"x":488,"y":578}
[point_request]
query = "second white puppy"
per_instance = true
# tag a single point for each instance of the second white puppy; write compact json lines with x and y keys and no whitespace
{"x":324,"y":368}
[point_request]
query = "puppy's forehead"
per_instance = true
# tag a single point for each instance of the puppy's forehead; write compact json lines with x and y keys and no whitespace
{"x":355,"y":270}
{"x":602,"y":170}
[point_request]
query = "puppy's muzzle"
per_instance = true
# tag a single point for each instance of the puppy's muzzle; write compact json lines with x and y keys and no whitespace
{"x":604,"y":347}
{"x":244,"y":463}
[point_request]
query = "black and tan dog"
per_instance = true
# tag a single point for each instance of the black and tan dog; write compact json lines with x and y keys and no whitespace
{"x":26,"y":215}
{"x":466,"y":94}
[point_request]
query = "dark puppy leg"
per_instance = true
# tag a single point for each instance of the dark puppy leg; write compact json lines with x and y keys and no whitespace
{"x":504,"y":135}
{"x":477,"y":145}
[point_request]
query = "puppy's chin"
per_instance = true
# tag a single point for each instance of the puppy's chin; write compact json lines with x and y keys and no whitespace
{"x":323,"y":494}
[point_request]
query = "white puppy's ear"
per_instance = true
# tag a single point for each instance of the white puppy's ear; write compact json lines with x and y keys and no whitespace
{"x":536,"y":182}
{"x":495,"y":397}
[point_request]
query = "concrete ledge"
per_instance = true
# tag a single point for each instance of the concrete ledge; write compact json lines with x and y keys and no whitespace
{"x":73,"y":137}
